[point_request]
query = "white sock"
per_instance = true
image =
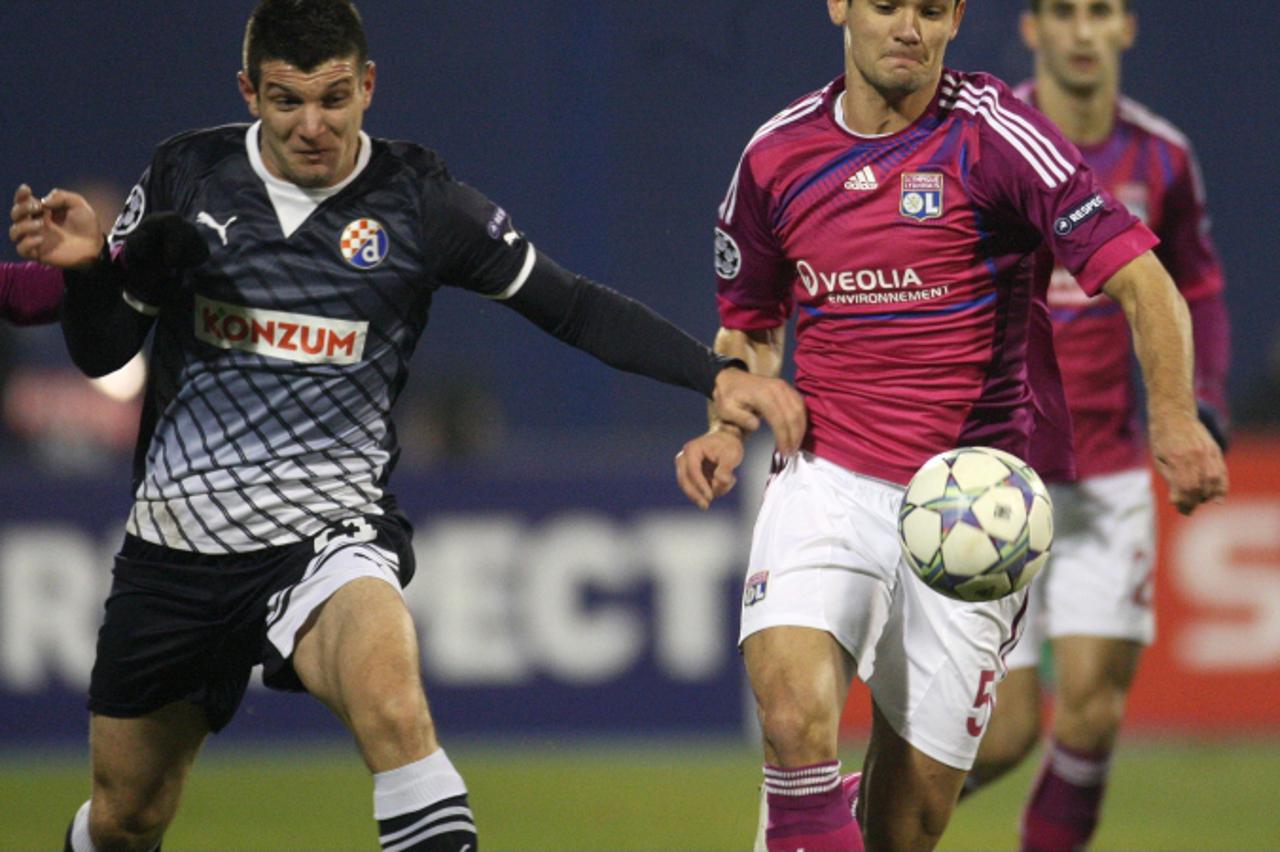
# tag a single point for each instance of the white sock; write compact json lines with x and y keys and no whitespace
{"x":415,"y":785}
{"x":80,"y":840}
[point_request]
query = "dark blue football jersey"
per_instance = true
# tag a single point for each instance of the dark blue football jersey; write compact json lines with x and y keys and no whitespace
{"x":275,"y":366}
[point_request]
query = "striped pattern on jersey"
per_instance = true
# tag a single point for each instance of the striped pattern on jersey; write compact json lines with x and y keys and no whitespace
{"x":795,"y":112}
{"x":253,"y":451}
{"x":1149,"y":166}
{"x":984,"y":102}
{"x":915,"y":265}
{"x":268,"y":410}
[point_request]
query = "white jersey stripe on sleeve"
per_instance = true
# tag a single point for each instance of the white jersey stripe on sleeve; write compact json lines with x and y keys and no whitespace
{"x":788,"y":115}
{"x":1022,"y":136}
{"x":139,"y":305}
{"x":1039,"y":138}
{"x":514,"y":287}
{"x":1013,"y":140}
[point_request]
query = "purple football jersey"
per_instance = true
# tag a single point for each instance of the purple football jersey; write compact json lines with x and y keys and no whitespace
{"x":30,"y":293}
{"x":1149,"y":166}
{"x":918,"y":262}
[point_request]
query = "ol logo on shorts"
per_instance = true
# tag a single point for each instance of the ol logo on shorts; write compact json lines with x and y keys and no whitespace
{"x":364,"y":243}
{"x":755,"y":588}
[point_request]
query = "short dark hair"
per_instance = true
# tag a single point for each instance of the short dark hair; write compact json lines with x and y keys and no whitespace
{"x":1035,"y":5}
{"x":304,"y":33}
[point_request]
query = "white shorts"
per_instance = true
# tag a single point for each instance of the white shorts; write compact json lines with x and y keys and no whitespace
{"x":1100,"y":575}
{"x":825,"y":555}
{"x":340,"y":561}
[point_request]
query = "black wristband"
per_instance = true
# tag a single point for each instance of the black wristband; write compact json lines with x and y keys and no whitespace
{"x":726,"y":362}
{"x":1212,"y":422}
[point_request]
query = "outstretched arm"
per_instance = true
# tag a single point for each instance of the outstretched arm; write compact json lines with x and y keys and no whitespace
{"x":705,"y":466}
{"x":111,"y":298}
{"x":1185,"y":454}
{"x":627,"y":335}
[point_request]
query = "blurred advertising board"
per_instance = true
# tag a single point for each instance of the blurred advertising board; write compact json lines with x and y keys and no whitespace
{"x":601,"y":604}
{"x":597,"y":604}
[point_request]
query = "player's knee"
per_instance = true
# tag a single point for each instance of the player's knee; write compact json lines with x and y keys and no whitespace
{"x":394,"y":713}
{"x":921,"y":830}
{"x":1094,"y":716}
{"x":129,"y":824}
{"x":799,"y":729}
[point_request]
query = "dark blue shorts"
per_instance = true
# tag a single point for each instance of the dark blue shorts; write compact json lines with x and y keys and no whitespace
{"x":191,"y":626}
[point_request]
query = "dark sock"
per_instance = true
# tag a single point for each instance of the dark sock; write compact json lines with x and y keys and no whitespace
{"x":1065,"y":803}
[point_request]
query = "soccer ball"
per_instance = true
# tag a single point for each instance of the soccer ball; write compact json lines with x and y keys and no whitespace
{"x":976,"y":523}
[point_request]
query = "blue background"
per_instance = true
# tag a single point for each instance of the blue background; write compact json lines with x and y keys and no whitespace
{"x":610,"y":131}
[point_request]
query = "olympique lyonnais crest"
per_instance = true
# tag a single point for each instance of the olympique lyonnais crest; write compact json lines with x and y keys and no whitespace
{"x":364,"y":243}
{"x":921,"y":195}
{"x":756,"y":587}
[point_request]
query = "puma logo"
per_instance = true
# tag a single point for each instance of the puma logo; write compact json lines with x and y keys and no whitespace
{"x":205,"y":219}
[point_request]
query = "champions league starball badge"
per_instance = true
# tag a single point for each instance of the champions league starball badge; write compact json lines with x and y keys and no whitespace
{"x":728,"y":256}
{"x":134,"y":206}
{"x":364,"y":243}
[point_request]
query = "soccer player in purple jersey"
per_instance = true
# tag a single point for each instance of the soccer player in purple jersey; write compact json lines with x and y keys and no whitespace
{"x":30,"y":293}
{"x":283,"y":271}
{"x":1093,"y":602}
{"x":907,"y":214}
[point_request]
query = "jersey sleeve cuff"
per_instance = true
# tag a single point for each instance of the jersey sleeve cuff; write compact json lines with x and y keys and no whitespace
{"x":521,"y":277}
{"x":1114,"y":254}
{"x":750,"y":318}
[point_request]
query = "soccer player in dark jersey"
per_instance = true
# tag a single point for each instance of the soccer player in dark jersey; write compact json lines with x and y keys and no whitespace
{"x":284,"y":270}
{"x":1093,"y":602}
{"x":906,"y":214}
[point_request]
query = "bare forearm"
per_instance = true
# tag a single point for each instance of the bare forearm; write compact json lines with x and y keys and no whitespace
{"x":1161,"y":327}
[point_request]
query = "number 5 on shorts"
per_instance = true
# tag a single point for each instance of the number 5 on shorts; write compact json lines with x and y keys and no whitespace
{"x":985,"y":700}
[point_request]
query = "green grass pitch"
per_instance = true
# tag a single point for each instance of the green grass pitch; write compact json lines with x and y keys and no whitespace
{"x":573,"y":797}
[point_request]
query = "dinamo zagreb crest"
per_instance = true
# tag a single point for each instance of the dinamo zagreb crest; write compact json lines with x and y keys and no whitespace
{"x":364,"y":243}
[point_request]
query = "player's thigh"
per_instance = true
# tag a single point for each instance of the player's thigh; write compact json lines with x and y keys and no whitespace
{"x":824,"y":556}
{"x":1094,"y":673}
{"x":907,"y":796}
{"x":140,"y":764}
{"x":343,"y":619}
{"x":360,"y":647}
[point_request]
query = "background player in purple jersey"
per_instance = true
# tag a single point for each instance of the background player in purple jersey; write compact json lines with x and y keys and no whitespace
{"x":1094,"y":600}
{"x":284,"y":272}
{"x":905,"y":213}
{"x":30,"y":293}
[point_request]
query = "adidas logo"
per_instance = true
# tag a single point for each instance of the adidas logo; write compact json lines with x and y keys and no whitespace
{"x":863,"y":179}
